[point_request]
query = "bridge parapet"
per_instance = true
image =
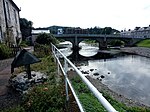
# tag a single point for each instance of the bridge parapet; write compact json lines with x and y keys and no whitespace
{"x":93,"y":35}
{"x":75,"y":39}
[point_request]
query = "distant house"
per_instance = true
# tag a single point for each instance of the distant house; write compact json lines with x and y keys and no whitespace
{"x":143,"y":32}
{"x":9,"y":22}
{"x":36,"y":32}
{"x":60,"y":31}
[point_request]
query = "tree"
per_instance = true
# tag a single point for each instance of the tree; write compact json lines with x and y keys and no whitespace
{"x":117,"y":43}
{"x":137,"y":28}
{"x":106,"y":30}
{"x":25,"y":27}
{"x":46,"y":39}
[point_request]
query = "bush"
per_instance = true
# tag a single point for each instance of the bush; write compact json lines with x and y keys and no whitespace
{"x":42,"y":50}
{"x":46,"y":39}
{"x":24,"y":44}
{"x":117,"y":43}
{"x":5,"y":51}
{"x":16,"y":109}
{"x":45,"y":98}
{"x":49,"y":96}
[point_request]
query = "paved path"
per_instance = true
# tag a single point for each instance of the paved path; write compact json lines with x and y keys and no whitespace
{"x":4,"y":77}
{"x":8,"y":97}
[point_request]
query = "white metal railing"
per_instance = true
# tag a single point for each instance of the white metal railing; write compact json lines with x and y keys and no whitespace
{"x":64,"y":69}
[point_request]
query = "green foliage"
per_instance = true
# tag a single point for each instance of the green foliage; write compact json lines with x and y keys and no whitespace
{"x":47,"y":65}
{"x":46,"y":39}
{"x":24,"y":44}
{"x":117,"y":43}
{"x":42,"y":50}
{"x":106,"y":30}
{"x":90,"y":41}
{"x":44,"y":98}
{"x":91,"y":104}
{"x":16,"y":109}
{"x":5,"y":51}
{"x":144,"y":43}
{"x":47,"y":97}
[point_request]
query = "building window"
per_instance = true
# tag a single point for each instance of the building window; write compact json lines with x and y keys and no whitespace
{"x":15,"y":16}
{"x":8,"y":12}
{"x":0,"y":34}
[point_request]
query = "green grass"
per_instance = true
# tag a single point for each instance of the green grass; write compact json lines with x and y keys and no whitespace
{"x":144,"y":43}
{"x":91,"y":104}
{"x":46,"y":97}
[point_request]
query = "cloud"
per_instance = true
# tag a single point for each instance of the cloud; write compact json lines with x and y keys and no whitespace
{"x":118,"y":14}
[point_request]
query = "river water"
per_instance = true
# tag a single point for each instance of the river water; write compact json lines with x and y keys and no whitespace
{"x":128,"y":75}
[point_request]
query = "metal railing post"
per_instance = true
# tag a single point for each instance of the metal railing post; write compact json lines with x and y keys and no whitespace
{"x":66,"y":84}
{"x":58,"y":69}
{"x":54,"y":51}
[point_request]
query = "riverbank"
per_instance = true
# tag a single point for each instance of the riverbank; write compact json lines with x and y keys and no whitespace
{"x":119,"y":102}
{"x":103,"y":88}
{"x":142,"y":51}
{"x":118,"y":97}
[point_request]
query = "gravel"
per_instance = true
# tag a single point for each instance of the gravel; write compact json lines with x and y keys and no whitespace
{"x":142,"y":51}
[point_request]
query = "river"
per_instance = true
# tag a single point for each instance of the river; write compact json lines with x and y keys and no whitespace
{"x":128,"y":75}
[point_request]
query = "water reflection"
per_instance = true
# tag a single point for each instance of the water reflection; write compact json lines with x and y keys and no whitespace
{"x":90,"y":50}
{"x":66,"y":48}
{"x":127,"y":75}
{"x":85,"y":50}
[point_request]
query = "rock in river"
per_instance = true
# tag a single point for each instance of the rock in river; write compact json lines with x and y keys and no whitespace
{"x":95,"y":74}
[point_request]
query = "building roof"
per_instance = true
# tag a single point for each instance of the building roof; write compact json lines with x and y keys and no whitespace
{"x":40,"y":31}
{"x":13,"y":3}
{"x":148,"y":28}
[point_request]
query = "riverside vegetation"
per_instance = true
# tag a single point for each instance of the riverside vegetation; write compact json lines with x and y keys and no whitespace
{"x":144,"y":43}
{"x":91,"y":104}
{"x":5,"y":51}
{"x":50,"y":97}
{"x":46,"y":97}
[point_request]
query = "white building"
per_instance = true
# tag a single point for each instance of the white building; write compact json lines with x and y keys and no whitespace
{"x":9,"y":22}
{"x":60,"y":31}
{"x":35,"y":33}
{"x":143,"y":32}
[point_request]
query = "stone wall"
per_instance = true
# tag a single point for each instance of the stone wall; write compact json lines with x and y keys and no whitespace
{"x":9,"y":20}
{"x":2,"y":20}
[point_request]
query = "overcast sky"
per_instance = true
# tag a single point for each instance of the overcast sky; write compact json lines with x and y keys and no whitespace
{"x":118,"y":14}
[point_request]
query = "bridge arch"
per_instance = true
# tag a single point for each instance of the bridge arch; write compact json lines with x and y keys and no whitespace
{"x":75,"y":39}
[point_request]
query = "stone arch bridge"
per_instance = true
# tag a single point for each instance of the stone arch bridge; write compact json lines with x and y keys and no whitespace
{"x":75,"y":39}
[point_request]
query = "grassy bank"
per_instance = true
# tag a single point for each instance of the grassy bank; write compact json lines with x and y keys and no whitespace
{"x":46,"y":97}
{"x":91,"y":42}
{"x":91,"y":104}
{"x":144,"y":43}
